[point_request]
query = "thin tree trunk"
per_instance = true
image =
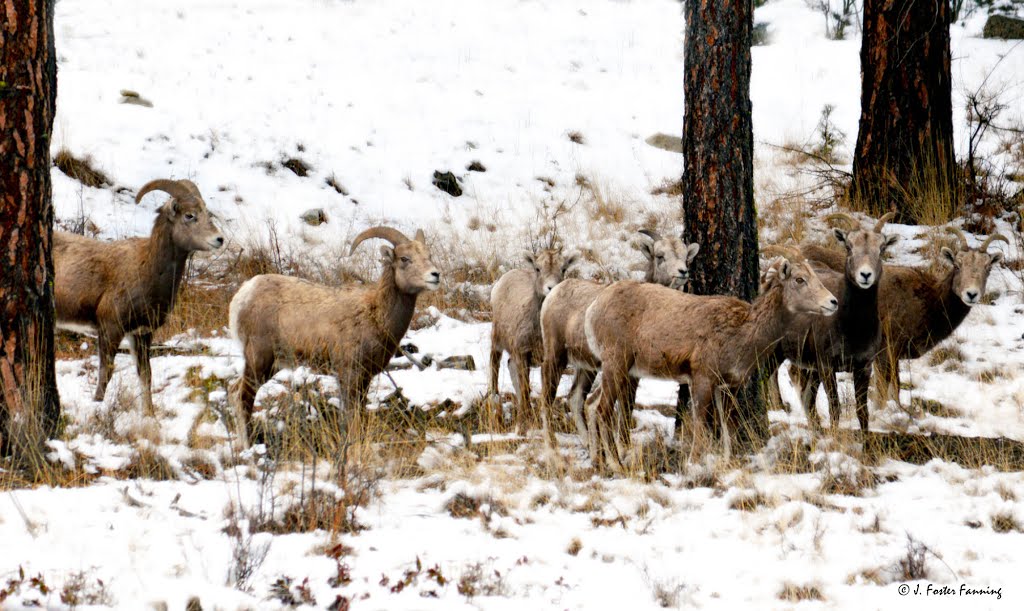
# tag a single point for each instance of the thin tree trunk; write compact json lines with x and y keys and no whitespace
{"x":904,"y":151}
{"x":28,"y":88}
{"x":718,"y":164}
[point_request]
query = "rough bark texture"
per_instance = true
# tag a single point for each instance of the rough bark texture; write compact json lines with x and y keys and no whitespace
{"x":28,"y":88}
{"x":718,"y":165}
{"x":905,"y":139}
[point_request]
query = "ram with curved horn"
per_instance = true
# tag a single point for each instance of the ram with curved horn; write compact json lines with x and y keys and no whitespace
{"x":128,"y":287}
{"x":352,"y":330}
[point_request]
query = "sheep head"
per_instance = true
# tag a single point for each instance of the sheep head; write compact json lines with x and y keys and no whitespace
{"x":409,"y":259}
{"x":802,"y":290}
{"x":192,"y":226}
{"x":669,"y":257}
{"x":549,"y":266}
{"x":971,"y":267}
{"x":864,"y":248}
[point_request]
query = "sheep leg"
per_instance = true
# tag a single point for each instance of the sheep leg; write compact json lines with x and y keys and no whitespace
{"x":550,"y":372}
{"x":861,"y":380}
{"x":603,"y":422}
{"x":592,"y":428}
{"x":624,"y":415}
{"x":720,"y":408}
{"x":702,"y":391}
{"x":682,"y":404}
{"x":520,"y":367}
{"x":835,"y":409}
{"x":258,"y":369}
{"x":107,"y":346}
{"x":581,"y":386}
{"x":141,"y":344}
{"x":492,"y":386}
{"x":808,"y":396}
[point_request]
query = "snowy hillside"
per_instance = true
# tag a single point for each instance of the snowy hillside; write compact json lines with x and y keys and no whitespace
{"x":556,"y":101}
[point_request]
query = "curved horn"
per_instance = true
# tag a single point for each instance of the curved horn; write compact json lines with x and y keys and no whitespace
{"x":191,"y":186}
{"x":995,"y":237}
{"x":784,"y":251}
{"x":842,"y":216}
{"x":174,"y":188}
{"x":654,"y":235}
{"x":888,"y":216}
{"x":394,"y":236}
{"x":959,"y":236}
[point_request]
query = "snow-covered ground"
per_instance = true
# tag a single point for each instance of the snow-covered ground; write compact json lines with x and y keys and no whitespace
{"x":377,"y":96}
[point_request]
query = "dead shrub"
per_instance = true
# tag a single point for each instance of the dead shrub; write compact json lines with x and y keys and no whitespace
{"x":794,"y":593}
{"x":81,"y":169}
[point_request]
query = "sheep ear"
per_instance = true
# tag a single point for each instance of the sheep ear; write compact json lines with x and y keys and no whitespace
{"x":387,"y":254}
{"x":570,"y":261}
{"x":785,"y":269}
{"x":949,"y":255}
{"x":172,"y":208}
{"x":645,"y":248}
{"x":422,"y":239}
{"x":529,"y":258}
{"x":840,"y":235}
{"x":691,"y":252}
{"x":997,"y":256}
{"x":889,"y":241}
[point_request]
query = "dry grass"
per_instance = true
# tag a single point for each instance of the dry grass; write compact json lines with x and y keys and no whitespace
{"x":794,"y":593}
{"x":82,"y":169}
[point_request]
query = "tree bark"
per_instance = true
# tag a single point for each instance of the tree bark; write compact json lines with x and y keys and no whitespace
{"x":904,"y":146}
{"x":718,"y":164}
{"x":28,"y":88}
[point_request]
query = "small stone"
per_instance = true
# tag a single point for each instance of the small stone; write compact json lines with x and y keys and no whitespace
{"x":132,"y":97}
{"x":193,"y":604}
{"x":314,"y":217}
{"x":463,"y":362}
{"x":1001,"y":26}
{"x":672,"y":144}
{"x":476,"y":166}
{"x":447,"y":182}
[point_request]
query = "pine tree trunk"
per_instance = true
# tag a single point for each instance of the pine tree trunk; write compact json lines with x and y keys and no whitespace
{"x":904,"y":149}
{"x":718,"y":164}
{"x":28,"y":88}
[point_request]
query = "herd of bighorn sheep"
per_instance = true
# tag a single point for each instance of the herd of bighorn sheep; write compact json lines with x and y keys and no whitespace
{"x":824,"y":310}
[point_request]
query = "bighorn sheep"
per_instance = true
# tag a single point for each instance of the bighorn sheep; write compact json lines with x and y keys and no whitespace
{"x":708,"y":342}
{"x":918,"y":310}
{"x":561,"y":319}
{"x":850,"y":341}
{"x":127,"y":287}
{"x":515,"y":307}
{"x":353,"y":331}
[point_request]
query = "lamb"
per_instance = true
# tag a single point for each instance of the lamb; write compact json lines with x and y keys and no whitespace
{"x":918,"y":310}
{"x":515,"y":307}
{"x":565,"y":341}
{"x":353,"y":331}
{"x":128,"y":287}
{"x":709,"y":342}
{"x":850,"y":341}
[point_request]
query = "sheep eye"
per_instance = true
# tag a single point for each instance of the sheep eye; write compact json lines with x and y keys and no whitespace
{"x":406,"y":260}
{"x":661,"y":257}
{"x":536,"y":269}
{"x":800,"y":280}
{"x":190,"y":217}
